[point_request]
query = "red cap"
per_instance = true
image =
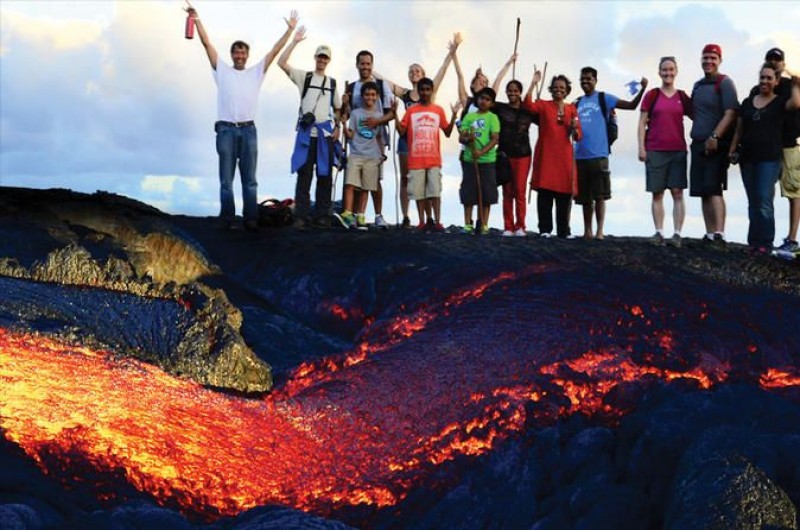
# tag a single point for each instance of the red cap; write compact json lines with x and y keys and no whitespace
{"x":713,"y":48}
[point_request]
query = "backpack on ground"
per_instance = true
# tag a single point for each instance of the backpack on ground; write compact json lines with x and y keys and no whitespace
{"x":273,"y":213}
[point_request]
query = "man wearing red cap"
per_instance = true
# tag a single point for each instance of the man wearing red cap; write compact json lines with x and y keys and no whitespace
{"x":715,"y":108}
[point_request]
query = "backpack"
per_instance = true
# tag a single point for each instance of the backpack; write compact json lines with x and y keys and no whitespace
{"x":351,"y":87}
{"x":273,"y":213}
{"x":307,"y":85}
{"x":612,"y":129}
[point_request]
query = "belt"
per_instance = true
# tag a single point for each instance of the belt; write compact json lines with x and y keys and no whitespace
{"x":237,"y":123}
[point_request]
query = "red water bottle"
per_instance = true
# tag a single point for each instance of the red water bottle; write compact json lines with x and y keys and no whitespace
{"x":189,"y":32}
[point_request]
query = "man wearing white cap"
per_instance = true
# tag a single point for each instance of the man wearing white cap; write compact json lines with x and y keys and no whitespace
{"x":317,"y":130}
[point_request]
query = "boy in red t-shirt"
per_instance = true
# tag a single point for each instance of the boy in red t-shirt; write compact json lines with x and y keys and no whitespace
{"x":421,"y":124}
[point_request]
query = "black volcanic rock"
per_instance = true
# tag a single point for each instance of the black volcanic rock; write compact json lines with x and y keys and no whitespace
{"x":112,"y":273}
{"x":217,"y":305}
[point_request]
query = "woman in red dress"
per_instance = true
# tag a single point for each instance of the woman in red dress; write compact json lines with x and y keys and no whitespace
{"x":554,"y":176}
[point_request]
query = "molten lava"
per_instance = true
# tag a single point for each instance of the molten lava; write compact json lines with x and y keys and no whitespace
{"x":364,"y":428}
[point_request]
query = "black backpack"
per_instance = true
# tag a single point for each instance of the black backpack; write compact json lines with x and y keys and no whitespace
{"x":273,"y":213}
{"x":351,"y":87}
{"x":307,"y":85}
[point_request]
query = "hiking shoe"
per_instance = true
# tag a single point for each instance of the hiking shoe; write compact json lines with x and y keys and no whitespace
{"x":346,"y":219}
{"x":520,"y":232}
{"x":676,"y":240}
{"x":657,"y":239}
{"x":507,"y":233}
{"x":788,"y":250}
{"x":468,"y":230}
{"x":788,"y":247}
{"x":484,"y":230}
{"x":437,"y":227}
{"x":406,"y":223}
{"x":719,"y":240}
{"x":228,"y":224}
{"x":322,"y":222}
{"x":422,"y":227}
{"x":380,"y":222}
{"x":361,"y":222}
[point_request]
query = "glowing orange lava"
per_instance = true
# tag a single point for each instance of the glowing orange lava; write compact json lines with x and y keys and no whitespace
{"x":359,"y":429}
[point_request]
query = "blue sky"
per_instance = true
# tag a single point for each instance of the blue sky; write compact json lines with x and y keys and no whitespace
{"x":107,"y":95}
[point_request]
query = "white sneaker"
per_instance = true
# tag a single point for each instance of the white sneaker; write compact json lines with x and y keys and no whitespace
{"x":546,"y":235}
{"x":380,"y":222}
{"x":507,"y":233}
{"x":520,"y":233}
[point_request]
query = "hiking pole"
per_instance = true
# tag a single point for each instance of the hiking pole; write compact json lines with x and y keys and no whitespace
{"x":480,"y":192}
{"x":544,"y":76}
{"x":516,"y":42}
{"x":396,"y":179}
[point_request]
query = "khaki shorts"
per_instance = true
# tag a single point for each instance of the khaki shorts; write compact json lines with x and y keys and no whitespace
{"x":362,"y":173}
{"x":790,"y":173}
{"x":424,"y":183}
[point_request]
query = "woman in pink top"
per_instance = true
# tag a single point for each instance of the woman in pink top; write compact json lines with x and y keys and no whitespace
{"x":662,"y":147}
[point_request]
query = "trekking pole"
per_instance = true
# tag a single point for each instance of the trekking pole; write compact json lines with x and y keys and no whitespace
{"x":480,"y":191}
{"x":544,"y":76}
{"x":396,"y":180}
{"x":516,"y":42}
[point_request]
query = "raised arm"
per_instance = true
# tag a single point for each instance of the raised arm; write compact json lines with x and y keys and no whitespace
{"x":452,"y":46}
{"x":537,"y":77}
{"x":631,"y":105}
{"x":211,"y":52}
{"x":462,"y":91}
{"x":283,"y":60}
{"x":291,"y":23}
{"x":502,"y":73}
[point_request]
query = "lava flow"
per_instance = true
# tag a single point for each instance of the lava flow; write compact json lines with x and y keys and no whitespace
{"x":361,"y":431}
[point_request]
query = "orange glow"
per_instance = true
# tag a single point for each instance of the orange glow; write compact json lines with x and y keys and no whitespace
{"x":779,"y":378}
{"x":335,"y":435}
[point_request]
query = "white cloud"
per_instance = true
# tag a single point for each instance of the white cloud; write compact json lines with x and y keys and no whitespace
{"x":104,"y":95}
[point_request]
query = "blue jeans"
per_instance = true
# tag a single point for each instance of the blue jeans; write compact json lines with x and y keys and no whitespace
{"x":237,"y":143}
{"x":759,"y":182}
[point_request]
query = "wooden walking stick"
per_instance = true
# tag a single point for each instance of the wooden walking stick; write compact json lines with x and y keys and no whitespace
{"x":480,"y":192}
{"x":516,"y":42}
{"x":544,"y":76}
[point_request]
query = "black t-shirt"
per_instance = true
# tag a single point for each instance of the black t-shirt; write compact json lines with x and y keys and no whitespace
{"x":791,"y":123}
{"x":515,"y":125}
{"x":761,"y":138}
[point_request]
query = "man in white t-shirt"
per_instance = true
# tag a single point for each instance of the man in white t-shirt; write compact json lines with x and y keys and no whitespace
{"x":237,"y":99}
{"x":317,"y":130}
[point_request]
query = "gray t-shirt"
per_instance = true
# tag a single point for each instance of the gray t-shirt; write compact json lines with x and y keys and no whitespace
{"x":365,"y":140}
{"x":710,"y":105}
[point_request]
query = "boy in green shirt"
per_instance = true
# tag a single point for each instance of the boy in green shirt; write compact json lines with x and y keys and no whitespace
{"x":480,"y":132}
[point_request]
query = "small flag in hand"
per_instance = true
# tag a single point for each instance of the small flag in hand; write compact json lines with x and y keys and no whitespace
{"x":633,"y":86}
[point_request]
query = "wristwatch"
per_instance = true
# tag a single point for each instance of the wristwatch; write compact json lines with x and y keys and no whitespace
{"x":714,"y":136}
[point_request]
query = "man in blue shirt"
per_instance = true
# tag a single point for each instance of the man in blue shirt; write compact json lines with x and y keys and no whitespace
{"x":591,"y":153}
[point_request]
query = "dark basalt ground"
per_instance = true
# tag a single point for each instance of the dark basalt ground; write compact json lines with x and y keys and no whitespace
{"x":108,"y":272}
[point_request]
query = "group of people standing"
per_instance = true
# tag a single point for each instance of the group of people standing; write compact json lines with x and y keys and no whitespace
{"x":570,"y":160}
